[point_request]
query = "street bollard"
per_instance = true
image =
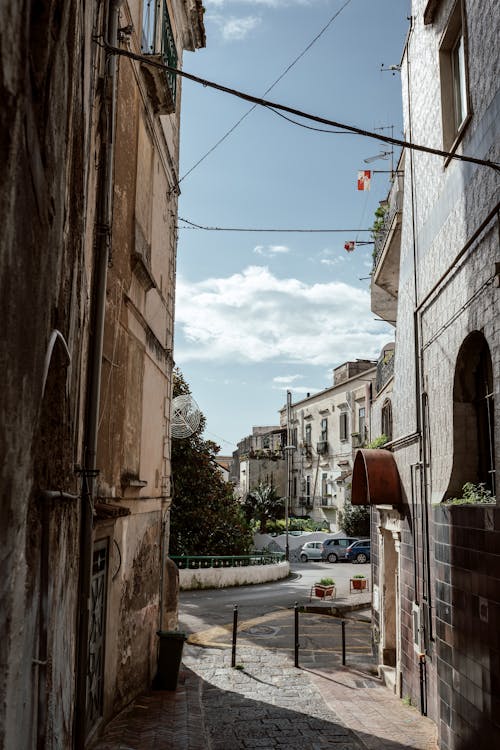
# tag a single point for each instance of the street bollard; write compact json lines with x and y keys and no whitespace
{"x":235,"y":629}
{"x":343,"y":642}
{"x":297,"y":646}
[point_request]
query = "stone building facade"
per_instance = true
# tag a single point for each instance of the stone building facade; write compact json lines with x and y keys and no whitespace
{"x":437,"y":567}
{"x":324,"y":429}
{"x":260,"y":459}
{"x":87,"y":268}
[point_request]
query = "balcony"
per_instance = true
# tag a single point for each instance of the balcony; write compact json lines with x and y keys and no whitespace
{"x":322,"y":447}
{"x":158,"y":43}
{"x":385,"y":275}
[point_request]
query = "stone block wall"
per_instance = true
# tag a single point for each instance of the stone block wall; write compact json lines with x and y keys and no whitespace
{"x":467,"y":624}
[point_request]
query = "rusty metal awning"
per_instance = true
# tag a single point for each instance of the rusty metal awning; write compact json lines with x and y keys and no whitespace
{"x":375,"y":478}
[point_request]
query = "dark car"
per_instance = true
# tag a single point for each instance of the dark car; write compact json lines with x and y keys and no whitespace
{"x":335,"y":549}
{"x":358,"y":551}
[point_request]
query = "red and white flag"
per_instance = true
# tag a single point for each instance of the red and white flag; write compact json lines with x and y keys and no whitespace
{"x":349,"y":246}
{"x":364,"y":179}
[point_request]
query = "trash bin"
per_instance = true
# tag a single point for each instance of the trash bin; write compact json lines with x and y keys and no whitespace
{"x":169,"y":659}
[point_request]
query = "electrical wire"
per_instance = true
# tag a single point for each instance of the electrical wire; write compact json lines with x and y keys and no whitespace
{"x":144,"y":59}
{"x":270,"y":88}
{"x":192,"y":225}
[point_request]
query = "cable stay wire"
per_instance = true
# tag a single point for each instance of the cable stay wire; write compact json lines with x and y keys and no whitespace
{"x":266,"y":92}
{"x":259,"y":101}
{"x":192,"y":225}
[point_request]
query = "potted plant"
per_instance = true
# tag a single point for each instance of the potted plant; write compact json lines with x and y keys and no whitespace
{"x":325,"y":587}
{"x":359,"y":582}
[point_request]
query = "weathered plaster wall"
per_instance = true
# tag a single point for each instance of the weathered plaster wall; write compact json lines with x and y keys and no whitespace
{"x":42,"y":151}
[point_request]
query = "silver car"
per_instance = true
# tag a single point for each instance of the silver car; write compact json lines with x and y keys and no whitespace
{"x":311,"y":551}
{"x":335,"y":549}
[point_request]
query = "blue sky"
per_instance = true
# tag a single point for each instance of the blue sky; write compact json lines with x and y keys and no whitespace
{"x":260,"y":313}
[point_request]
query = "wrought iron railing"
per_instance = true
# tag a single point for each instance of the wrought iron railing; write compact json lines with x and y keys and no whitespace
{"x":192,"y":562}
{"x":385,"y":370}
{"x":394,"y":207}
{"x":158,"y":38}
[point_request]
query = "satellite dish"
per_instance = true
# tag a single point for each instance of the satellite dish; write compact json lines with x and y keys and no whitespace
{"x":185,"y":416}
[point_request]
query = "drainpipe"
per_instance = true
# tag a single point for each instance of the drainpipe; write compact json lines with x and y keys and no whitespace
{"x":89,"y":471}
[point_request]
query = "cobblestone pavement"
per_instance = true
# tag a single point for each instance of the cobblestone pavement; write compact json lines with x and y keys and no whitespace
{"x":268,"y":704}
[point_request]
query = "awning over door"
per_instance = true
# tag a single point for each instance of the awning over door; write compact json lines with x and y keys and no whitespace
{"x":375,"y":478}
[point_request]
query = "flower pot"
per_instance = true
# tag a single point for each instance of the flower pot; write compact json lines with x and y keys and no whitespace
{"x":322,"y":591}
{"x":359,"y":584}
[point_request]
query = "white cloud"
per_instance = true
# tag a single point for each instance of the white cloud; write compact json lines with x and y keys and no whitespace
{"x":270,"y":250}
{"x":287,"y":379}
{"x":234,"y":28}
{"x":254,"y":316}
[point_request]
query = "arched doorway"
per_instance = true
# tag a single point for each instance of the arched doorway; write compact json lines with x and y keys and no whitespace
{"x":473,"y":417}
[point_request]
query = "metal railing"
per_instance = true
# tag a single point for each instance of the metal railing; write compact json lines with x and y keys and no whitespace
{"x":158,"y":38}
{"x":394,"y":207}
{"x":191,"y":562}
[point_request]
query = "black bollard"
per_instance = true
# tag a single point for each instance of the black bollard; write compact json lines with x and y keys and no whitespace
{"x":235,"y":629}
{"x":343,"y":642}
{"x":297,"y":645}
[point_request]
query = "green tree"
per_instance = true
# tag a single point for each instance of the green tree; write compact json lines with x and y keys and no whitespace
{"x":355,"y":520}
{"x":206,"y":518}
{"x":263,"y":504}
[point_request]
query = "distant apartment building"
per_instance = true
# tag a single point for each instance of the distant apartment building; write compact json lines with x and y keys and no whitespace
{"x":324,"y":430}
{"x":260,"y":459}
{"x":436,"y":277}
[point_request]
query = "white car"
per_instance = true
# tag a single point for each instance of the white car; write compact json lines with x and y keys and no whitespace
{"x":311,"y":551}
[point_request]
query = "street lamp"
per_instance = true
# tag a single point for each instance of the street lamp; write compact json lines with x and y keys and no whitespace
{"x":288,"y":448}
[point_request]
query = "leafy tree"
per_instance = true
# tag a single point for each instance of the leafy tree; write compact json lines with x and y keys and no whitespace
{"x":263,"y":504}
{"x":206,"y":518}
{"x":355,"y":520}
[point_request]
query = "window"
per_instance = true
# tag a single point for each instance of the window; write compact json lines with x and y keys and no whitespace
{"x":307,"y":439}
{"x":324,"y":487}
{"x":454,"y":78}
{"x":324,"y":429}
{"x":387,"y":419}
{"x":362,"y":423}
{"x":308,"y":489}
{"x":344,"y":425}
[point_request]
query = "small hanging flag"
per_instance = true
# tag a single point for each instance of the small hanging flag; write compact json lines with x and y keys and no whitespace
{"x":349,"y":246}
{"x":364,"y":179}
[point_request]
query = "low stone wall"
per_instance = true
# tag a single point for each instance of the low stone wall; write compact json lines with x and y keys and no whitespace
{"x":218,"y":578}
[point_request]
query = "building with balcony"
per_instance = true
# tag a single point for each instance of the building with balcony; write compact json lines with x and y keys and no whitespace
{"x":260,"y":459}
{"x":436,"y":566}
{"x":324,"y":429}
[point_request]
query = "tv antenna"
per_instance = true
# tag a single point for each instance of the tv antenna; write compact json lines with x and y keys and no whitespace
{"x":185,"y":416}
{"x":384,"y":154}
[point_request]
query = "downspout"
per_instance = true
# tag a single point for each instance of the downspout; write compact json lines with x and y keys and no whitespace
{"x":89,"y":471}
{"x":419,"y":399}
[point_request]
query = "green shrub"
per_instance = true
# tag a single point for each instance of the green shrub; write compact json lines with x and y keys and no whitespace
{"x":472,"y":494}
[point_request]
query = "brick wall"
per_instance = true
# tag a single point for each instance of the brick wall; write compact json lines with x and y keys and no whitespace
{"x":467,"y":624}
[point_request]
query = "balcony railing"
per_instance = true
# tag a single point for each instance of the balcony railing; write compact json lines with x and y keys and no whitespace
{"x":385,"y":370}
{"x":158,"y":41}
{"x":191,"y":562}
{"x":394,"y":208}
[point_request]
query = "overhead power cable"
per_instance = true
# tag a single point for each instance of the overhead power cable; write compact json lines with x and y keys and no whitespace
{"x":192,"y":225}
{"x":280,"y":77}
{"x":299,"y":113}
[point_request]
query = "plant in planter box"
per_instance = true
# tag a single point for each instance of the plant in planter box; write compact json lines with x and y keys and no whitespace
{"x":325,"y":587}
{"x":359,"y":582}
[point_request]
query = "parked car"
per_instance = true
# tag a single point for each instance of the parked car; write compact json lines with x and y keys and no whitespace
{"x":311,"y":551}
{"x":359,"y":551}
{"x":335,"y":549}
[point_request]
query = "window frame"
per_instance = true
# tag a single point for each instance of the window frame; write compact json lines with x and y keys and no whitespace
{"x":456,"y":30}
{"x":344,"y":425}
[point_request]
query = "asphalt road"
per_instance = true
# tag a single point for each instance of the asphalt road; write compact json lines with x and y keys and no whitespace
{"x":199,"y":610}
